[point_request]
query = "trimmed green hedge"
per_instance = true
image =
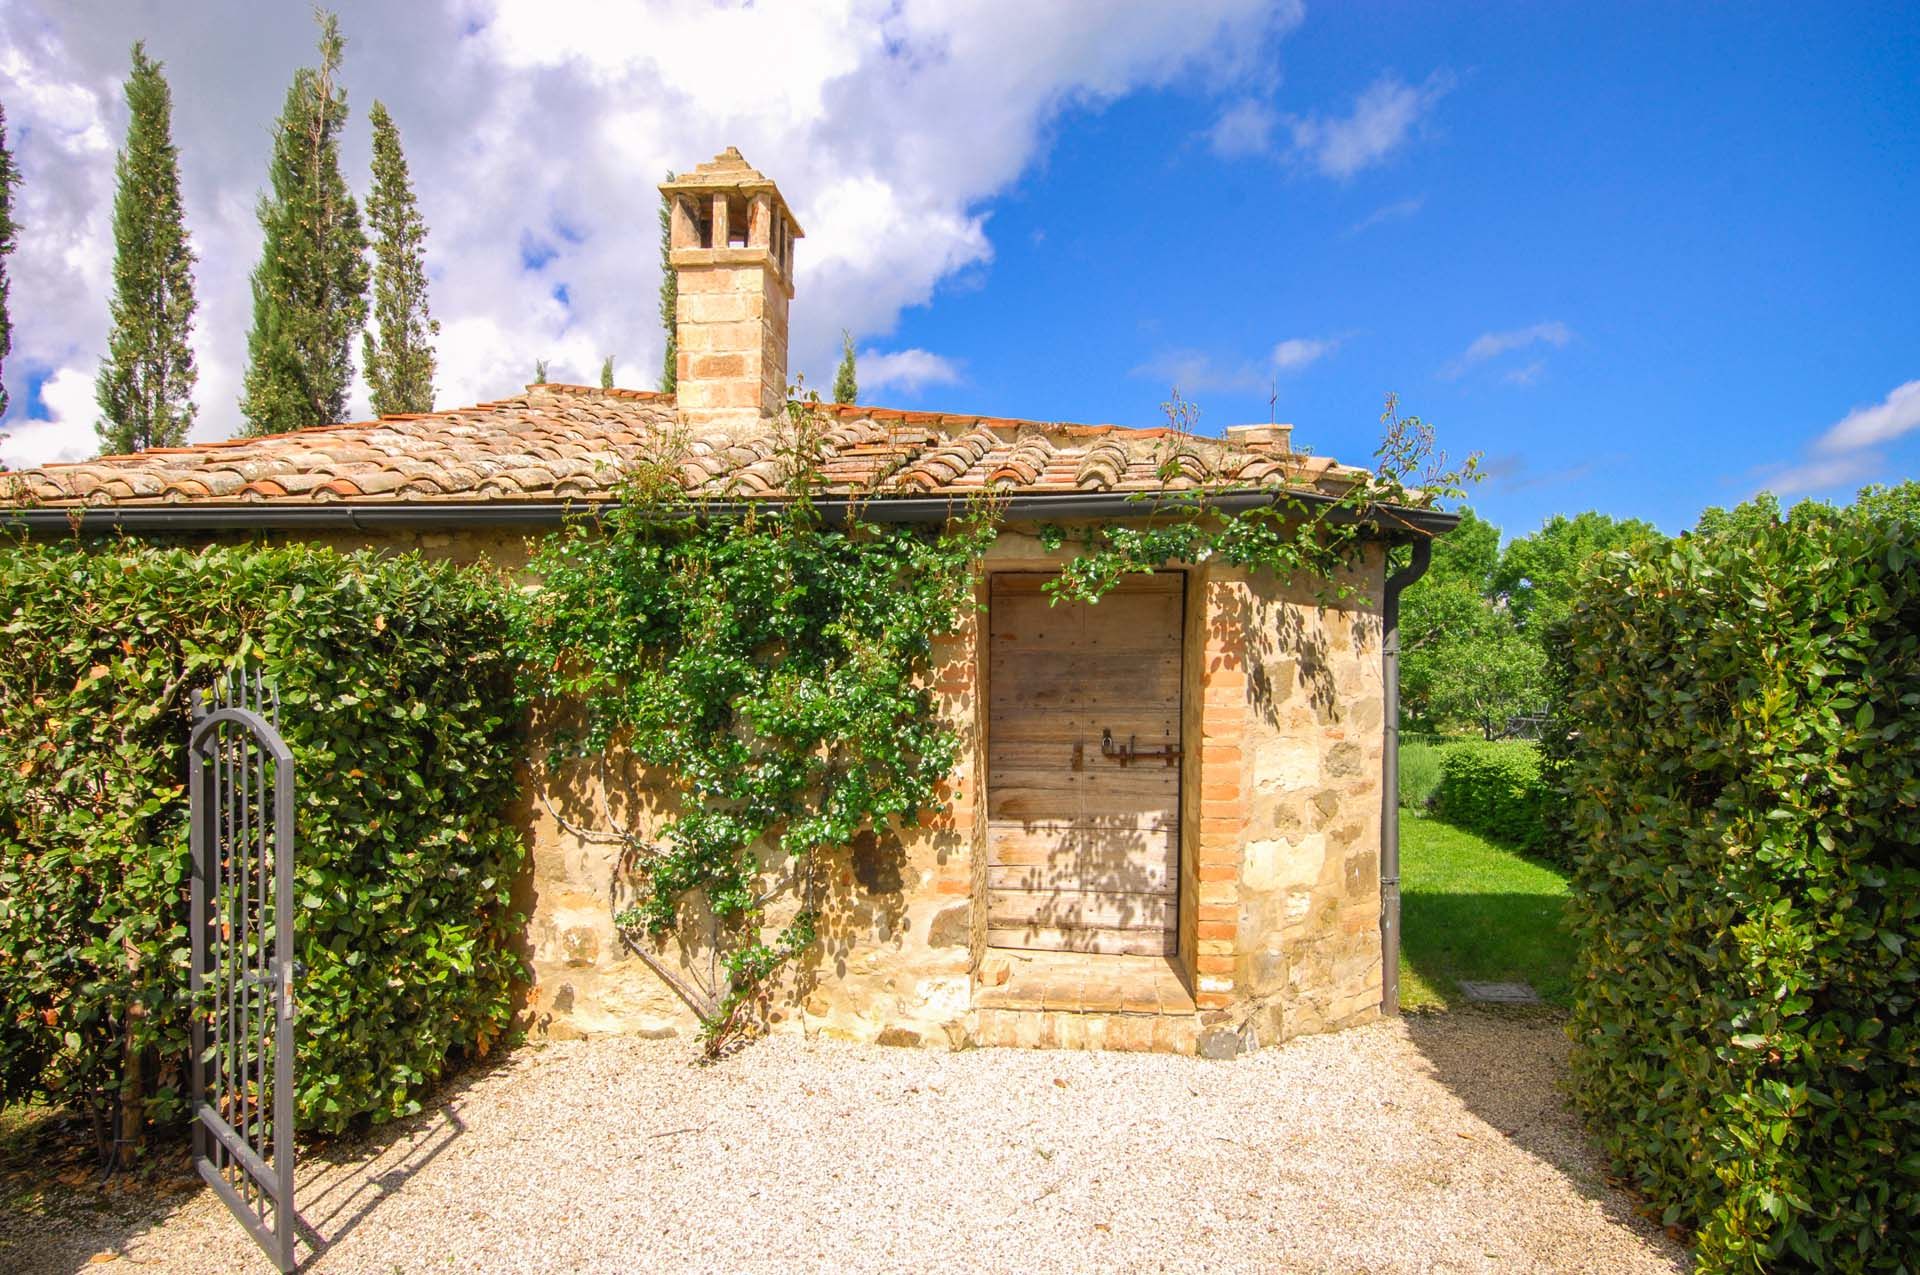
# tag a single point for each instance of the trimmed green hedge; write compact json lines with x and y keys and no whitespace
{"x":1494,"y":789}
{"x":399,"y":703}
{"x":1744,"y":787}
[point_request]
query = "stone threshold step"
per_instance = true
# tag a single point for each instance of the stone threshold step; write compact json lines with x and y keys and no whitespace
{"x":1070,"y":982}
{"x":1162,"y":1033}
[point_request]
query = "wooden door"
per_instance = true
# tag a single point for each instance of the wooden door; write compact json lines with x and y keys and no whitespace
{"x":1083,"y":848}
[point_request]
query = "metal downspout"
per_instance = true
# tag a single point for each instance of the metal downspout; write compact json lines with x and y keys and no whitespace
{"x":1390,"y":775}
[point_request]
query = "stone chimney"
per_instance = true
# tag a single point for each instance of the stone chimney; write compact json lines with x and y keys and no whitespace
{"x":732,"y":248}
{"x":1262,"y":440}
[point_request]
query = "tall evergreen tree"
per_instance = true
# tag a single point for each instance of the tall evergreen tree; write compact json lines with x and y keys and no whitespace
{"x":145,"y":385}
{"x":846,"y":387}
{"x":539,"y":371}
{"x":9,"y":178}
{"x":310,"y":288}
{"x":606,"y":373}
{"x":669,"y":299}
{"x":400,"y":363}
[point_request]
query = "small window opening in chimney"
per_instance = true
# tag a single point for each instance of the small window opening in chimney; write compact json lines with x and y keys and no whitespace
{"x":736,"y":221}
{"x":701,"y":214}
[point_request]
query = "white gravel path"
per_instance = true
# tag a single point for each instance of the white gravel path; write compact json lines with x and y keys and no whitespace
{"x":1436,"y":1144}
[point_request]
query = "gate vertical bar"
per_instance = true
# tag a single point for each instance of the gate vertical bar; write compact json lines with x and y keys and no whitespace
{"x":283,"y":1031}
{"x":198,"y":903}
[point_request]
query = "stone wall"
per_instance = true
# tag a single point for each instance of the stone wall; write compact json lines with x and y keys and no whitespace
{"x":1281,"y":834}
{"x":1288,"y":863}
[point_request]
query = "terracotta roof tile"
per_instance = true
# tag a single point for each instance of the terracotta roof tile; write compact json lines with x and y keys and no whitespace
{"x":578,"y":442}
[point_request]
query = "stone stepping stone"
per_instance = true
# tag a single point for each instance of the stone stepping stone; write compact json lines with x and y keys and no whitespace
{"x":1500,"y":993}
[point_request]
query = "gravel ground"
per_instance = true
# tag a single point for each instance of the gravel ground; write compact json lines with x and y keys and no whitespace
{"x":1439,"y":1143}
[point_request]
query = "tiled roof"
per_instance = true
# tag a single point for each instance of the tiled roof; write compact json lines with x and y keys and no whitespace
{"x":571,"y":441}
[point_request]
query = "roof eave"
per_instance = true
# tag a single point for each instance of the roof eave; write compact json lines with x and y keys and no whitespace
{"x":1392,"y":522}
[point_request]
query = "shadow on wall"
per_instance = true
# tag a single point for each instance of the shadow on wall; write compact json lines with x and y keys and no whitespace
{"x":1285,"y":633}
{"x":591,"y":821}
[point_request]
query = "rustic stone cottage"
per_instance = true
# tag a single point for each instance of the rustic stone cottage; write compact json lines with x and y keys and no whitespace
{"x":1172,"y":827}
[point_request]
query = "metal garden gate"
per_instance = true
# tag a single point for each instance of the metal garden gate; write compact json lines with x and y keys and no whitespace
{"x":241,"y":779}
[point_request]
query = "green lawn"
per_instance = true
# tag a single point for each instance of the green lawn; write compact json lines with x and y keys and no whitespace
{"x":1470,"y":909}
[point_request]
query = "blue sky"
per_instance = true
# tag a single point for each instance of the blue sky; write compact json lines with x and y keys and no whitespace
{"x":1645,"y":258}
{"x":1717,"y":207}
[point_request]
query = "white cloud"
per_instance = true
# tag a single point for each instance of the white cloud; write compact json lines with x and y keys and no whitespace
{"x":889,"y":125}
{"x":1528,"y":375}
{"x":1298,"y":352}
{"x":1383,"y":117}
{"x":1491,"y":345}
{"x":1197,"y":372}
{"x":1244,"y":128}
{"x":66,"y":433}
{"x":1846,"y":453}
{"x":1823,"y":475}
{"x":1399,"y":210}
{"x":1896,"y":414}
{"x":905,"y":370}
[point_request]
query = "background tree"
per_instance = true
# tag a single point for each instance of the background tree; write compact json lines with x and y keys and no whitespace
{"x":539,"y":371}
{"x":669,"y":299}
{"x":1464,"y":660}
{"x":846,"y":387}
{"x":1899,"y":501}
{"x":145,"y":385}
{"x":400,"y":362}
{"x":310,"y":288}
{"x":1539,"y":575}
{"x":606,"y":373}
{"x":9,"y":178}
{"x":1475,"y":629}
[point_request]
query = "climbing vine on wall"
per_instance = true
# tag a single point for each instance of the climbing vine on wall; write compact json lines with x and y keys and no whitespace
{"x":1295,"y":535}
{"x":774,"y":667}
{"x":775,"y":670}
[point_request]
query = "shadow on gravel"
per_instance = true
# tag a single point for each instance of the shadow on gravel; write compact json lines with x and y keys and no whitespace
{"x":57,"y":1214}
{"x":1508,"y":1066}
{"x":341,"y":1185}
{"x":56,"y":1208}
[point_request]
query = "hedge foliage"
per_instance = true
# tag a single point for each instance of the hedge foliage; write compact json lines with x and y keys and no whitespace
{"x":1495,"y":789}
{"x":1745,"y":796}
{"x":399,"y":704}
{"x":1419,"y":773}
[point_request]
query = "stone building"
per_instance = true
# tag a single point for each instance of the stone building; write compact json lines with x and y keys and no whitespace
{"x":1169,"y":828}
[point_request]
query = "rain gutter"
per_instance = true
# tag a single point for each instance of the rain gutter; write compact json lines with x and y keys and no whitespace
{"x":1390,"y":774}
{"x":189,"y":517}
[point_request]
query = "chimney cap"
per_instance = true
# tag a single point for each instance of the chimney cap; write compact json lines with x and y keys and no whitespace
{"x":730,"y":172}
{"x":1262,"y":438}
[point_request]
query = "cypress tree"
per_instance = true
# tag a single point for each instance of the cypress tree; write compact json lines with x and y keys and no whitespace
{"x":310,"y":288}
{"x":606,"y":373}
{"x":539,"y":371}
{"x":846,"y":388}
{"x":669,"y":299}
{"x":400,"y":363}
{"x":145,"y":385}
{"x":9,"y":178}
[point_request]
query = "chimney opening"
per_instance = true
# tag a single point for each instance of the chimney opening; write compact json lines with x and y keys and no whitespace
{"x":737,"y":221}
{"x":701,"y":215}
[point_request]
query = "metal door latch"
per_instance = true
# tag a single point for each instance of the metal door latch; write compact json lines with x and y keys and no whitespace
{"x":1131,"y":751}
